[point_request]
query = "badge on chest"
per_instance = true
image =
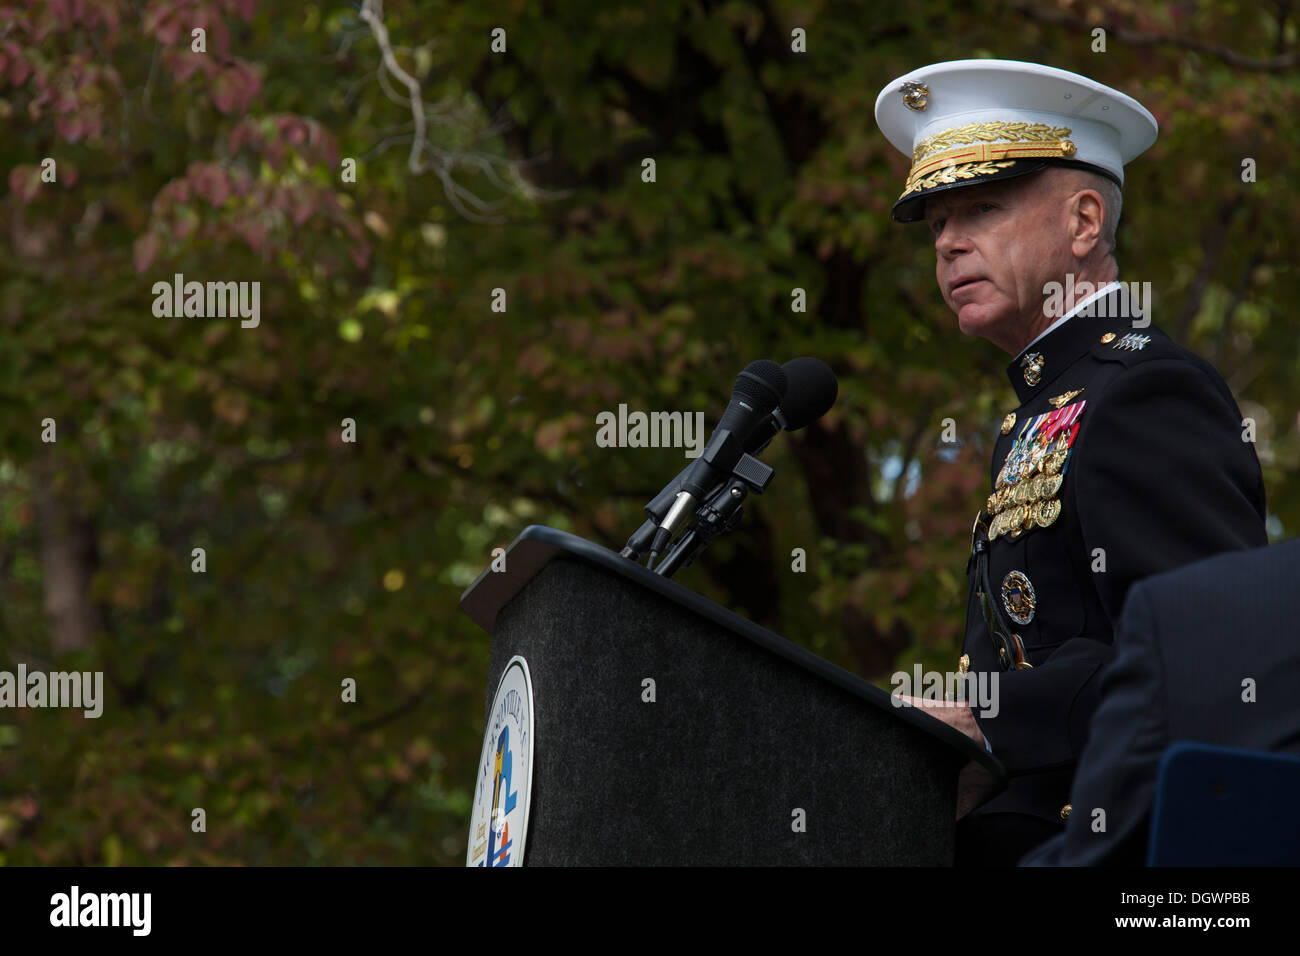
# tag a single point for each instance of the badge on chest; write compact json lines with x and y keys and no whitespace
{"x":1027,"y":492}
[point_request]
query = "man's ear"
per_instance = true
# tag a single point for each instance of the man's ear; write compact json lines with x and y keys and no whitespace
{"x":1087,"y":217}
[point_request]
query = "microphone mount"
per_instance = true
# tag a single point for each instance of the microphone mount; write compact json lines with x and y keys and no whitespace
{"x":720,"y":513}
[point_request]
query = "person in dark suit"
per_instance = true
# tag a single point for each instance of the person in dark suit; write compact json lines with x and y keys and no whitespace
{"x":1125,"y":454}
{"x":1187,"y":641}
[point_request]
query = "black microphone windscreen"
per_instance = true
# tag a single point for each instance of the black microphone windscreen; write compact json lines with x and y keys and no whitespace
{"x":763,"y":384}
{"x":811,"y":391}
{"x":759,"y":389}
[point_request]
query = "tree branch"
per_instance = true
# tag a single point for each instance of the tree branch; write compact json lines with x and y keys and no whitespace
{"x":1140,"y":38}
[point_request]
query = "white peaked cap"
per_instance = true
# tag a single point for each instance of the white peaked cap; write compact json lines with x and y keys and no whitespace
{"x":965,"y":122}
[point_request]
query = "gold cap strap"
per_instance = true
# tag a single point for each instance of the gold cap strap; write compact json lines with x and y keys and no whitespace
{"x":989,"y":152}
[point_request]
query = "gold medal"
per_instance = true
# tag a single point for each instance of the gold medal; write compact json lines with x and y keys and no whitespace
{"x":1051,"y":485}
{"x":1048,"y":511}
{"x":1018,"y":597}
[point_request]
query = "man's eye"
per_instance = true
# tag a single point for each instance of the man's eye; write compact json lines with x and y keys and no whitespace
{"x":936,"y":227}
{"x":985,"y":206}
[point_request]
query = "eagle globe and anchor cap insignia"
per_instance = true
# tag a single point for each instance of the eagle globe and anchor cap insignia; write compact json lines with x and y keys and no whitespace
{"x":499,"y":818}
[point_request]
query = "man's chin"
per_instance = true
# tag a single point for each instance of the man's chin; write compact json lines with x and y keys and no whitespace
{"x":978,"y":320}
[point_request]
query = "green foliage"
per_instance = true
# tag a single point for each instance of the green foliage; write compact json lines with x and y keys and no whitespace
{"x":328,"y":560}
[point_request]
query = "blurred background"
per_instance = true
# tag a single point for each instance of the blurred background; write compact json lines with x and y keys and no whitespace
{"x":517,"y":169}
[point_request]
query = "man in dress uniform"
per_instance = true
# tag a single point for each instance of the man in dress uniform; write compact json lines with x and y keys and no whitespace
{"x":1124,"y":455}
{"x":1186,"y":642}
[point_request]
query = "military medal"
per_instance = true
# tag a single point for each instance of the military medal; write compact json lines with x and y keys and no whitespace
{"x":1018,"y":597}
{"x":1048,"y":511}
{"x":1026,"y":493}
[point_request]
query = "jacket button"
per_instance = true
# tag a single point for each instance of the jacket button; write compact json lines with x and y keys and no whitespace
{"x":1108,"y":338}
{"x":1065,"y":812}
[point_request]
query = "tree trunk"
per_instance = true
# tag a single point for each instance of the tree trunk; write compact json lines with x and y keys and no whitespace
{"x":69,"y":557}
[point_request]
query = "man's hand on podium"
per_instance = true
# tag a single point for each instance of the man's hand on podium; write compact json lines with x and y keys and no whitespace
{"x":974,"y":783}
{"x":956,"y":714}
{"x":974,"y":786}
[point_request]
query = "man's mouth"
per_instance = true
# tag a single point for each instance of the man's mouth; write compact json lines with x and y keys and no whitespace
{"x":963,"y":282}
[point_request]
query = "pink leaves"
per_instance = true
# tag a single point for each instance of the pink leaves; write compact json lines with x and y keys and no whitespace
{"x":144,"y":251}
{"x":232,"y":84}
{"x":74,"y":89}
{"x":234,"y":87}
{"x":14,"y":63}
{"x":24,"y":181}
{"x":276,"y":136}
{"x":210,"y":182}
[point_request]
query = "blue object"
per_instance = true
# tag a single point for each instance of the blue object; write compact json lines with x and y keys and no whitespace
{"x":1223,"y":806}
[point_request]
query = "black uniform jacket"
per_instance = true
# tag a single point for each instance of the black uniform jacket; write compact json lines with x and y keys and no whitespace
{"x":1145,"y":466}
{"x":1185,"y":643}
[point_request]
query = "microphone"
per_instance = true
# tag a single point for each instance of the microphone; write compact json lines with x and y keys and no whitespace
{"x":810,"y":392}
{"x":759,"y":389}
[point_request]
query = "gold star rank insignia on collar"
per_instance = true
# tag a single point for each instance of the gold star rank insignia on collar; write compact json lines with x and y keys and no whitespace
{"x":1060,"y":400}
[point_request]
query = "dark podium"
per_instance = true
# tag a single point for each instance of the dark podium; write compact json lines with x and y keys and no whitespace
{"x":746,"y":728}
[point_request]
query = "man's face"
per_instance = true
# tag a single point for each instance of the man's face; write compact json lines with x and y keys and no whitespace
{"x":997,"y":245}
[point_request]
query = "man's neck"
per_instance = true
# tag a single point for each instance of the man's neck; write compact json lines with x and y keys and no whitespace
{"x":1075,"y":295}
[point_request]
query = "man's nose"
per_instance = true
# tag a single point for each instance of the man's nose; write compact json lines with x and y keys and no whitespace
{"x":951,"y":240}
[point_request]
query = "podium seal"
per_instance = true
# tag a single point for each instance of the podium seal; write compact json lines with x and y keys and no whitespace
{"x":499,"y":818}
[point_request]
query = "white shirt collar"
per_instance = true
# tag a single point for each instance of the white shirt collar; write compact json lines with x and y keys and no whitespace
{"x":1069,"y":315}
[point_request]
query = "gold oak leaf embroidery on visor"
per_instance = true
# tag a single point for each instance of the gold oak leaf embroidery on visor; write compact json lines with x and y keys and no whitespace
{"x":988,"y":133}
{"x":950,"y":174}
